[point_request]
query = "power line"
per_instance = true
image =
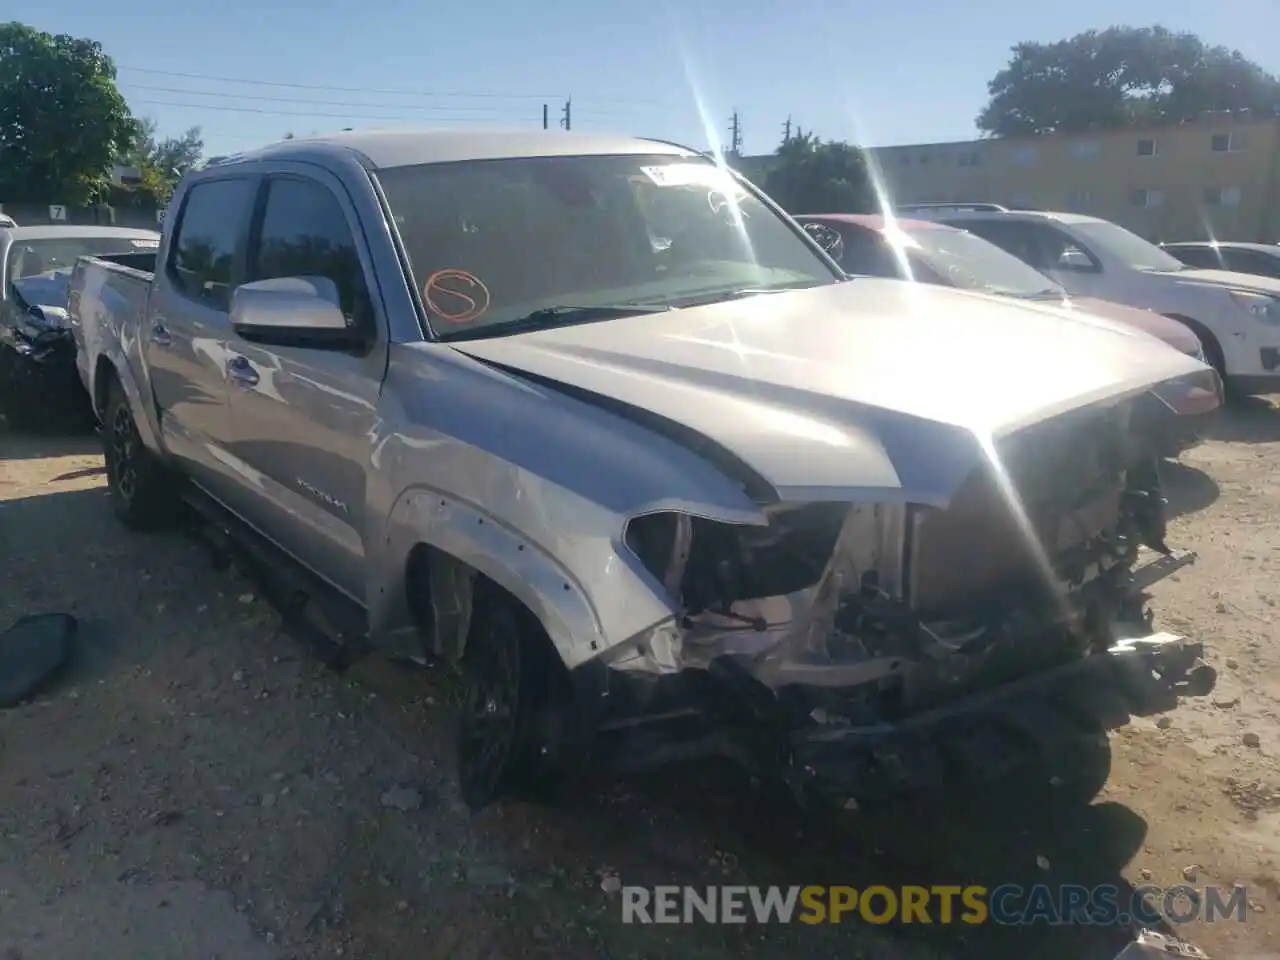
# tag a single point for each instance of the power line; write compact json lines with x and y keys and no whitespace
{"x":331,"y":116}
{"x":318,"y":103}
{"x":313,"y":86}
{"x":490,"y":95}
{"x":327,"y":103}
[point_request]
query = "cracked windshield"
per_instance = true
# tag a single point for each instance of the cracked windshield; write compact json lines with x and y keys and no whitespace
{"x":613,"y":483}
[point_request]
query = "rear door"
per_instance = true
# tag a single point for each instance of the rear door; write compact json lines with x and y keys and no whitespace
{"x":304,"y":418}
{"x":185,"y":330}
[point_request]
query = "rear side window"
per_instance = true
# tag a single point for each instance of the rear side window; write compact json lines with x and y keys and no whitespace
{"x":304,"y":233}
{"x":203,"y":254}
{"x":1014,"y":237}
{"x":1198,"y":257}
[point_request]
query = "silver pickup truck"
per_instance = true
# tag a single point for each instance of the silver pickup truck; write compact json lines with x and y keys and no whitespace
{"x":593,"y":418}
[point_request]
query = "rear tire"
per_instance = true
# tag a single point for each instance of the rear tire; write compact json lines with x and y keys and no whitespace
{"x":144,"y":494}
{"x":513,"y":722}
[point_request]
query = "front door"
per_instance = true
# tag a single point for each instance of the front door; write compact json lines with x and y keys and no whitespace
{"x":304,"y":419}
{"x":184,"y":334}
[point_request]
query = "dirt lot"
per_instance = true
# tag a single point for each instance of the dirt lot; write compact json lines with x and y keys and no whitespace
{"x":199,"y":787}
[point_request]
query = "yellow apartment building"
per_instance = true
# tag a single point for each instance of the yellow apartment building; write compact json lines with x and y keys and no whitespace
{"x":1217,"y":176}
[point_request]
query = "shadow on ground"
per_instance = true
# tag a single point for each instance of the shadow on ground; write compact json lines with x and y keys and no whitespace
{"x":1248,"y":420}
{"x":33,"y":446}
{"x":1020,"y":831}
{"x":1187,"y":489}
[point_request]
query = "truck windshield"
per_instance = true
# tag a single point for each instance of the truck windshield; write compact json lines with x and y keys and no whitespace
{"x":968,"y":261}
{"x":30,"y":258}
{"x":493,"y":243}
{"x":1129,"y":248}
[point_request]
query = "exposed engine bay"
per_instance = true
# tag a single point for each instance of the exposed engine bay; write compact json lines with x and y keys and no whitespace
{"x":862,"y":614}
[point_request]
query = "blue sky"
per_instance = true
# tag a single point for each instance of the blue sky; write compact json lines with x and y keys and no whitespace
{"x":874,"y":73}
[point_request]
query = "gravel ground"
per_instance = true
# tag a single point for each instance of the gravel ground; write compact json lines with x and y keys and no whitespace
{"x":197,"y":786}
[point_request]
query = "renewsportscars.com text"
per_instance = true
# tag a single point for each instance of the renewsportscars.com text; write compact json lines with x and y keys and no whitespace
{"x":1009,"y":904}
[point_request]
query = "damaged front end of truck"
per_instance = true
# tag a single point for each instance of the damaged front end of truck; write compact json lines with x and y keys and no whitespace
{"x":859,"y":647}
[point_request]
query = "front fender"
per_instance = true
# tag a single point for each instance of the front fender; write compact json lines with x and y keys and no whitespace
{"x":467,"y":533}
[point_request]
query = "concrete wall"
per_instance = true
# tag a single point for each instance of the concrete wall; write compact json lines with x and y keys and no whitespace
{"x":29,"y":214}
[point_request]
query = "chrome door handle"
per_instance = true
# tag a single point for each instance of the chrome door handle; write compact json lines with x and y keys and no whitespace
{"x":160,"y":335}
{"x":241,"y":371}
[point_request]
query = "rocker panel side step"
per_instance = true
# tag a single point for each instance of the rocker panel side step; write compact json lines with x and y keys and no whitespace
{"x":331,"y":626}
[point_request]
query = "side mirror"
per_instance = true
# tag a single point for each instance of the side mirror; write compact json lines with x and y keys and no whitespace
{"x":292,"y":311}
{"x":827,"y":238}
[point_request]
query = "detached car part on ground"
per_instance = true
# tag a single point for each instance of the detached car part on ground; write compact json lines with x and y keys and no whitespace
{"x":926,"y":252}
{"x":659,"y":499}
{"x":39,"y":384}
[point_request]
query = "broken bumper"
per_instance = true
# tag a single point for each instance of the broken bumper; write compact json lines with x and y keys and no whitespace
{"x":989,"y":733}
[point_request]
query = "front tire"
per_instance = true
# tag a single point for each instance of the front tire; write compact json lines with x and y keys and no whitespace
{"x":512,"y":712}
{"x":144,"y":495}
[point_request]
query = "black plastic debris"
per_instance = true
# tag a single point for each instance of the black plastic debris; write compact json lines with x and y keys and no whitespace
{"x":32,"y":652}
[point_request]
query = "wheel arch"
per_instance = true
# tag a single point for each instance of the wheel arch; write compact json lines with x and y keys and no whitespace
{"x":1209,"y":340}
{"x":439,"y":552}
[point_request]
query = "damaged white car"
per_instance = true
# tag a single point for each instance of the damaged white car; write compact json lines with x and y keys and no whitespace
{"x":592,"y":417}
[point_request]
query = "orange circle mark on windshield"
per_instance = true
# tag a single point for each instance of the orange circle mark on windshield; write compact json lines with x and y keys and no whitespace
{"x":455,"y":296}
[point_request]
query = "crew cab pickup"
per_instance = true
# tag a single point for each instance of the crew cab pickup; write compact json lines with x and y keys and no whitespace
{"x":594,"y":419}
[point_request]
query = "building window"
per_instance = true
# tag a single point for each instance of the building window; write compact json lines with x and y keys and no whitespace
{"x":904,"y":159}
{"x":1222,"y":196}
{"x":924,"y":158}
{"x":1146,"y":148}
{"x":1078,"y":200}
{"x":1231,"y":142}
{"x":1024,"y":156}
{"x":1085,"y":150}
{"x":1146,"y":198}
{"x":968,"y":158}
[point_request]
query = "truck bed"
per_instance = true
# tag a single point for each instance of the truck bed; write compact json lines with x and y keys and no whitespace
{"x":106,"y":294}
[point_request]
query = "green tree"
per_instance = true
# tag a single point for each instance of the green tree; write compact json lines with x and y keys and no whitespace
{"x":1118,"y":77}
{"x":161,"y":163}
{"x":810,"y":175}
{"x":62,"y":119}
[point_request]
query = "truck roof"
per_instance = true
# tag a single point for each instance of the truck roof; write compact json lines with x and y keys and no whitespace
{"x":54,"y":231}
{"x":399,"y":148}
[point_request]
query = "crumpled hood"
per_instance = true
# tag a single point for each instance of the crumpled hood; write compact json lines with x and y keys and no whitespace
{"x":1175,"y":334}
{"x":869,"y":386}
{"x":1229,"y":278}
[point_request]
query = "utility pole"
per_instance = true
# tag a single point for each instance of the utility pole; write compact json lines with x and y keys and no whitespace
{"x":567,"y":120}
{"x":786,"y":131}
{"x":735,"y":130}
{"x":545,"y":116}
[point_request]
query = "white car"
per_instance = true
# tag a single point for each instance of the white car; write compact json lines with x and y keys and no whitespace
{"x":1236,"y":315}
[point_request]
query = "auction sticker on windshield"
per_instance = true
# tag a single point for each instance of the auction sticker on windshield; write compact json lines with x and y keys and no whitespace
{"x":689,"y":174}
{"x":455,"y":296}
{"x":146,"y":244}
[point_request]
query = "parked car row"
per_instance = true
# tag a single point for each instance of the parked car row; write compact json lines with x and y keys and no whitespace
{"x":1235,"y":315}
{"x":930,"y":252}
{"x":594,"y":420}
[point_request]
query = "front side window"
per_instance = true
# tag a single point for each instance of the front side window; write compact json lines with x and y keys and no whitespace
{"x":304,"y":233}
{"x":491,"y":242}
{"x":203,"y":254}
{"x":1125,"y":246}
